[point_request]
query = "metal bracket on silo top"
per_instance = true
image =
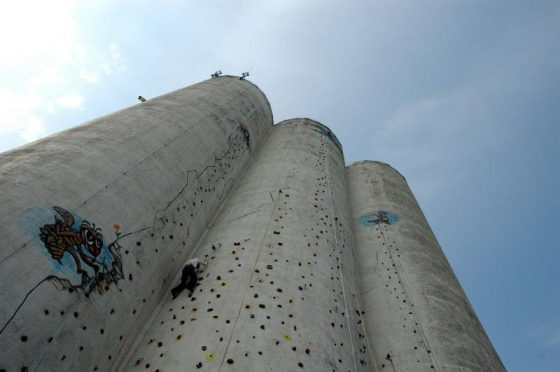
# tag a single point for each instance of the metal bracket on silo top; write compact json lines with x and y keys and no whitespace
{"x":216,"y":74}
{"x":244,"y":75}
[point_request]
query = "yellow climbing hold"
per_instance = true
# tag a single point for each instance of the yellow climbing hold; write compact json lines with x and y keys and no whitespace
{"x":210,"y":356}
{"x":179,"y":337}
{"x":287,"y":337}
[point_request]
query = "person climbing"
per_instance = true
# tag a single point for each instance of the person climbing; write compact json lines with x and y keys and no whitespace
{"x":189,"y":276}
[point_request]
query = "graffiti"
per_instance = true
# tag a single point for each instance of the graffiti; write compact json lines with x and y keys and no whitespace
{"x":77,"y":250}
{"x":117,"y":229}
{"x":109,"y":260}
{"x":378,"y":217}
{"x":327,"y":133}
{"x":246,"y":134}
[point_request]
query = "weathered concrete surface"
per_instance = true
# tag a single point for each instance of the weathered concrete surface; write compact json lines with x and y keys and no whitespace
{"x":279,"y":293}
{"x":150,"y":177}
{"x":96,"y":222}
{"x":417,"y":315}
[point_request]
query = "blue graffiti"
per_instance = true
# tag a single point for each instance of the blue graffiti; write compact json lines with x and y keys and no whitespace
{"x":377,"y":217}
{"x":75,"y":248}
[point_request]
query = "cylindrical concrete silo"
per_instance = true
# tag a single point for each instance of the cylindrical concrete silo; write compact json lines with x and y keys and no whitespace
{"x":279,"y":293}
{"x":417,"y":315}
{"x":94,"y":221}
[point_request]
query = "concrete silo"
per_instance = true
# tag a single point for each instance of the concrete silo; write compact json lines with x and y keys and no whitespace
{"x":311,"y":265}
{"x":279,"y":292}
{"x":96,"y":220}
{"x":417,"y":316}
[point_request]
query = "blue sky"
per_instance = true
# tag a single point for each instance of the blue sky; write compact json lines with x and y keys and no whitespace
{"x":463,"y":97}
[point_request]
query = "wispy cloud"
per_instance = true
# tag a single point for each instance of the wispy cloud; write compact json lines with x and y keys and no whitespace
{"x":19,"y":115}
{"x":554,"y":339}
{"x":544,"y":335}
{"x":48,"y":57}
{"x":113,"y":60}
{"x":33,"y":128}
{"x":46,"y":76}
{"x":89,"y":76}
{"x":73,"y":100}
{"x":47,"y":35}
{"x":426,"y":136}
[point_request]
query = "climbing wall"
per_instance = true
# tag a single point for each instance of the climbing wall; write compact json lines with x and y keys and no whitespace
{"x":97,"y":220}
{"x":279,"y":293}
{"x":417,"y":315}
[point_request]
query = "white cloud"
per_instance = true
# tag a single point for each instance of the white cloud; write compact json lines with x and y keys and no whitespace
{"x":89,"y":76}
{"x":72,"y":100}
{"x":544,"y":334}
{"x":33,"y":128}
{"x":419,"y":133}
{"x":117,"y":57}
{"x":18,"y":115}
{"x":553,"y":341}
{"x":553,"y":337}
{"x":112,"y":61}
{"x":24,"y":114}
{"x":38,"y":32}
{"x":428,"y":140}
{"x":44,"y":59}
{"x":40,"y":45}
{"x":46,"y":76}
{"x":105,"y":65}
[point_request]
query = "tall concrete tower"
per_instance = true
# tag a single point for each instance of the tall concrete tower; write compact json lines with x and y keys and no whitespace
{"x":311,"y":265}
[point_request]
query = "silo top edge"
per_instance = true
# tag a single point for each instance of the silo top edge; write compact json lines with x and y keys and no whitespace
{"x":251,"y":83}
{"x":325,"y":130}
{"x":376,"y":163}
{"x":134,"y":107}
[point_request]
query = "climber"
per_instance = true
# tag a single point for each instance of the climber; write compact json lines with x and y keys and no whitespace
{"x":189,"y":276}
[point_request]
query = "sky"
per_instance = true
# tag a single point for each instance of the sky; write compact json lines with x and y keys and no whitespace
{"x":462,"y":97}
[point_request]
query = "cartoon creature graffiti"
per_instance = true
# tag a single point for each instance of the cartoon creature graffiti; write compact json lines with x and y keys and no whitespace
{"x":378,"y":217}
{"x":96,"y":264}
{"x":61,"y":237}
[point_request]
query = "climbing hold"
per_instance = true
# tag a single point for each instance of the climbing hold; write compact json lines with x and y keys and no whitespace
{"x":209,"y":356}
